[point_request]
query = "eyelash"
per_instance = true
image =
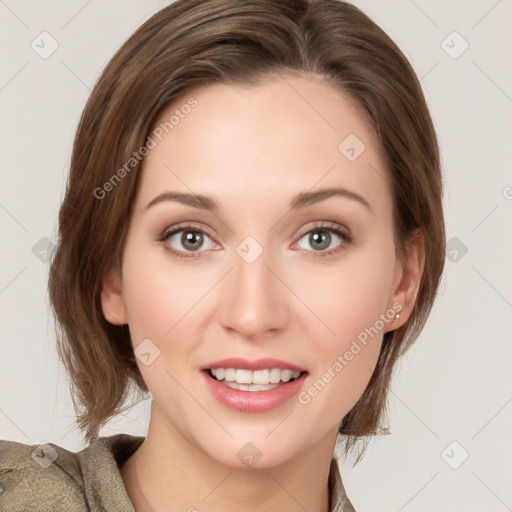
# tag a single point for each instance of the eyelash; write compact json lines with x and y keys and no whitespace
{"x":329,"y":227}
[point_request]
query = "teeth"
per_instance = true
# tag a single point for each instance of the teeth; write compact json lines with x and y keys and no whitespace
{"x":275,"y":375}
{"x":250,"y":387}
{"x":260,"y":378}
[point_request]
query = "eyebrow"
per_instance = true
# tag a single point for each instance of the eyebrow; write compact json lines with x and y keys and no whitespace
{"x":301,"y":200}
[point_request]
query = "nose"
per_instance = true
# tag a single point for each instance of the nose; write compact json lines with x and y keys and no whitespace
{"x":253,"y":297}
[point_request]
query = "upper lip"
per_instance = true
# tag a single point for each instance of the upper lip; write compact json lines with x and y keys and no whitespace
{"x":257,"y":364}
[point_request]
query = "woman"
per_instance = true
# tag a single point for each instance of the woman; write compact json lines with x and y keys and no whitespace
{"x":253,"y":233}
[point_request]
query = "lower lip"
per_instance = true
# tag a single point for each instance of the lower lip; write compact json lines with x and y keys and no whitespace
{"x":253,"y":401}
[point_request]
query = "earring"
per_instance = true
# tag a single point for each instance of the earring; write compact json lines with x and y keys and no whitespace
{"x":397,"y":316}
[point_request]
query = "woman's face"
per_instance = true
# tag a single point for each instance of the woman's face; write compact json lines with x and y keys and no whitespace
{"x":264,"y":274}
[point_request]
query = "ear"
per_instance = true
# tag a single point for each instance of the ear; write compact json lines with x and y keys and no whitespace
{"x":408,"y":275}
{"x":112,"y":301}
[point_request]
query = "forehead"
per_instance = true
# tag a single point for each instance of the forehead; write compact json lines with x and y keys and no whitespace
{"x":284,"y":135}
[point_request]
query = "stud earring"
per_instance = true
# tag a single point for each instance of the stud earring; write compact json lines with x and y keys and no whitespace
{"x":397,"y":316}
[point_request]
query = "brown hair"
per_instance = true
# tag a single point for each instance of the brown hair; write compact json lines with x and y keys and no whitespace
{"x":194,"y":43}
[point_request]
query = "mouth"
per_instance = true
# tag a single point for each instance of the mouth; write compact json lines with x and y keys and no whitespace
{"x":253,"y":386}
{"x":258,"y":380}
{"x":250,"y":391}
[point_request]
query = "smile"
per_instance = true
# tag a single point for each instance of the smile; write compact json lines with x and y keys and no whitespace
{"x":259,"y":380}
{"x":251,"y":396}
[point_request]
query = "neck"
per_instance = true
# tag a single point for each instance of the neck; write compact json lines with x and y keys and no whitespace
{"x":169,"y":473}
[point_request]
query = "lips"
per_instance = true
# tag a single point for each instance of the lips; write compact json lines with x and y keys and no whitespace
{"x":263,"y":398}
{"x":258,"y":364}
{"x":253,"y":401}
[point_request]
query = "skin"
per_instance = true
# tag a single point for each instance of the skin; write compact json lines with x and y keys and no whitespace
{"x":252,"y":149}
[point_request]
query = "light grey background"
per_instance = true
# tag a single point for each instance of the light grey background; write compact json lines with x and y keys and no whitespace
{"x":453,"y":386}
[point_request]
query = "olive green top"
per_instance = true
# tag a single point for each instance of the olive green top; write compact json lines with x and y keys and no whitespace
{"x":49,"y":478}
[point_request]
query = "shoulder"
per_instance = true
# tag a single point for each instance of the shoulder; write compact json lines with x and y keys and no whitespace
{"x":43,"y":474}
{"x":49,"y":478}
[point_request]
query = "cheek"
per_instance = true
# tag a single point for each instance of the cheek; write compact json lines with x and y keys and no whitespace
{"x":353,"y":306}
{"x":157,"y":295}
{"x":161,"y":299}
{"x":351,"y":297}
